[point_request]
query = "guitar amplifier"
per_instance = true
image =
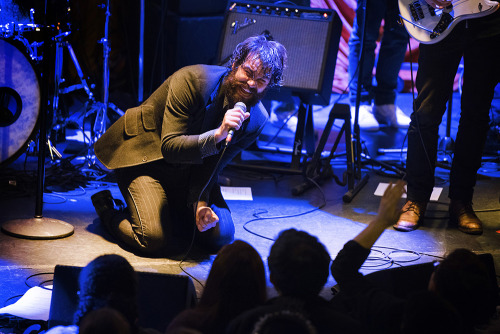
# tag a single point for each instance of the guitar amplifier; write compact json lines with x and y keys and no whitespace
{"x":310,"y":35}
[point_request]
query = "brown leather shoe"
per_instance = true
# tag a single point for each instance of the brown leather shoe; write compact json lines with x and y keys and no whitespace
{"x":463,"y":216}
{"x":412,"y":216}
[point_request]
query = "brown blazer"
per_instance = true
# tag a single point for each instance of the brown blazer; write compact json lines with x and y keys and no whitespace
{"x":169,"y":123}
{"x":136,"y":137}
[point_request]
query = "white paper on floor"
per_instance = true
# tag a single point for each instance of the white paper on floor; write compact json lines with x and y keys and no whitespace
{"x":34,"y":304}
{"x":237,"y":193}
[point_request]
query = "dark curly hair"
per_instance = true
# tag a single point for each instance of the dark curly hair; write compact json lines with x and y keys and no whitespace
{"x":273,"y":57}
{"x":298,"y":264}
{"x":108,"y":281}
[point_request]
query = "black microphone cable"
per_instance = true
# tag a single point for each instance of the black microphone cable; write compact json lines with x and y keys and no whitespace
{"x":194,"y":211}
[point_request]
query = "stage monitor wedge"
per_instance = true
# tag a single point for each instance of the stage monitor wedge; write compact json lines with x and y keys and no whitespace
{"x":310,"y":35}
{"x":160,"y":297}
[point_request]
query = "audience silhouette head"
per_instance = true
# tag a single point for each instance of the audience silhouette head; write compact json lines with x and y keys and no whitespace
{"x":236,"y":283}
{"x":108,"y":281}
{"x":298,"y":264}
{"x":237,"y":267}
{"x":463,"y":280}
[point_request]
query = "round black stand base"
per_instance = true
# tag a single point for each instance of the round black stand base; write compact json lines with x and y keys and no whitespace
{"x":37,"y":228}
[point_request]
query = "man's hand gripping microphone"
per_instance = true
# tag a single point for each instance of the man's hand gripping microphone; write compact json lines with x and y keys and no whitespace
{"x":242,"y":107}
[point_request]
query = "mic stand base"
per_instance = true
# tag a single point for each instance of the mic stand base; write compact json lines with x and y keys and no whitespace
{"x":38,"y":228}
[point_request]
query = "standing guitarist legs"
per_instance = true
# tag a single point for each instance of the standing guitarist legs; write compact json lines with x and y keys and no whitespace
{"x":438,"y":64}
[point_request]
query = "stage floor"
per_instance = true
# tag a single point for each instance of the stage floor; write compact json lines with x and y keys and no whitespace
{"x":319,"y":211}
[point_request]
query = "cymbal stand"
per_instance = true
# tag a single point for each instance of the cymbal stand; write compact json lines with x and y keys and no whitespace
{"x":101,"y":108}
{"x":60,"y":45}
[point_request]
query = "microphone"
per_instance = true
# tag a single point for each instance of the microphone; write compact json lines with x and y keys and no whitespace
{"x":230,"y":133}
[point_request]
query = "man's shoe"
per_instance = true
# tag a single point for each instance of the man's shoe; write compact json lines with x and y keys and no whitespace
{"x":366,"y":120}
{"x":412,"y":216}
{"x":392,"y":115}
{"x":463,"y":216}
{"x":103,"y":202}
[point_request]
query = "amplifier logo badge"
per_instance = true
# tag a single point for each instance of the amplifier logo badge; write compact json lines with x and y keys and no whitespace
{"x":237,"y":26}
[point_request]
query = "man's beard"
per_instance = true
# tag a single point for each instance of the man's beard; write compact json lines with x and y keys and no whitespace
{"x":233,"y":88}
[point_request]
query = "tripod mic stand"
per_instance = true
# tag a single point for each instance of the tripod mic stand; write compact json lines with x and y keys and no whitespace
{"x":354,"y":171}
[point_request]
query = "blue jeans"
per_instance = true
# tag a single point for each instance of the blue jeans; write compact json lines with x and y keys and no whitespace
{"x":438,"y":63}
{"x":157,"y":209}
{"x":391,"y":54}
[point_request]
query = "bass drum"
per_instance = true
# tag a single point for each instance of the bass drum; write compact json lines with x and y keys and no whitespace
{"x":19,"y":102}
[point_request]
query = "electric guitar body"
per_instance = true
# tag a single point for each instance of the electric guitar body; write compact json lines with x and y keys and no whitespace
{"x":429,"y":25}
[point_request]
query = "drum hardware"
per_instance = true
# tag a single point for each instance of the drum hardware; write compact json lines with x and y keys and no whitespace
{"x":32,"y":149}
{"x":38,"y":226}
{"x":8,"y":100}
{"x":101,"y":108}
{"x":58,"y":121}
{"x":19,"y":101}
{"x":15,"y":31}
{"x":92,"y":104}
{"x":53,"y":151}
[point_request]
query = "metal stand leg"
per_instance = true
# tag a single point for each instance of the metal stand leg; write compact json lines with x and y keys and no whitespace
{"x":447,"y":144}
{"x":101,"y":108}
{"x":319,"y":169}
{"x":354,"y":150}
{"x":304,"y":135}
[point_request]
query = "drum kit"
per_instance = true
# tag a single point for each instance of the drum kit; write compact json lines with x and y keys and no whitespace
{"x":19,"y":88}
{"x":20,"y":82}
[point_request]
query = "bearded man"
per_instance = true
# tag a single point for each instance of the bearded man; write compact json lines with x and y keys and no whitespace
{"x":168,"y":152}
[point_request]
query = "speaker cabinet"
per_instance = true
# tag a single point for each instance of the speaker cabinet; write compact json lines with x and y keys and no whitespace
{"x":310,"y":35}
{"x":193,"y":40}
{"x":177,"y":33}
{"x":160,"y":297}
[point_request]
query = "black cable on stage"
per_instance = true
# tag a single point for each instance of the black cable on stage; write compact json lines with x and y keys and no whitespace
{"x":39,"y":285}
{"x":386,"y":259}
{"x":194,"y":209}
{"x":83,"y":192}
{"x":62,"y":198}
{"x":257,"y":218}
{"x":10,"y":298}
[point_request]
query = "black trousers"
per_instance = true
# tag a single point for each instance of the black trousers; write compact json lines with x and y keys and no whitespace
{"x":158,"y":212}
{"x":438,"y":64}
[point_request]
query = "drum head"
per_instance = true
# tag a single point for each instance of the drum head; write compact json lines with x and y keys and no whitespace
{"x":19,"y":102}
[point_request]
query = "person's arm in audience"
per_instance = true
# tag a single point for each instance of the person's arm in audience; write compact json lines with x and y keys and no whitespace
{"x":346,"y":265}
{"x":388,"y":215}
{"x":376,"y":309}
